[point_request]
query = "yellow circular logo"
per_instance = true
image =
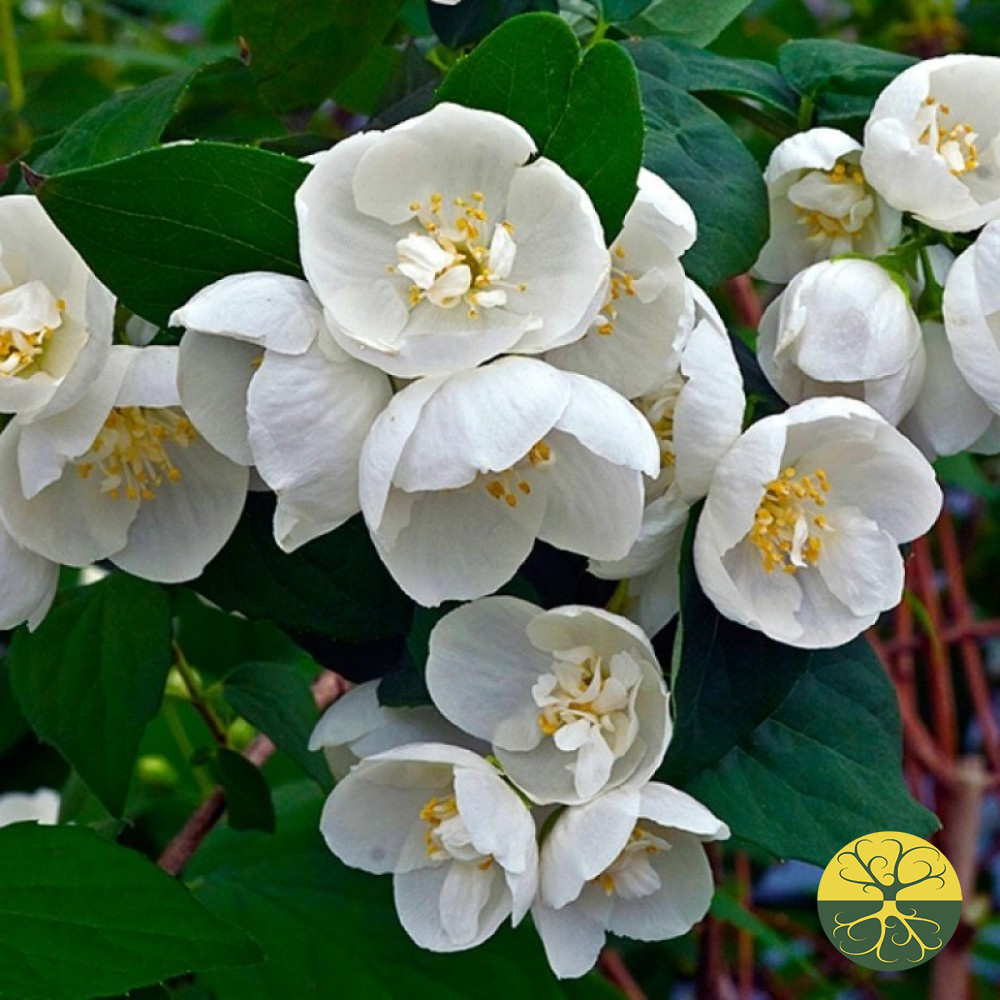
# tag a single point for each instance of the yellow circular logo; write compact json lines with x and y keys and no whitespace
{"x":889,"y":900}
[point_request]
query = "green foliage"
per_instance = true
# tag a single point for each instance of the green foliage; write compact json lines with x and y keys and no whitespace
{"x":92,"y":675}
{"x":799,"y":749}
{"x":275,"y":698}
{"x":320,"y":923}
{"x":248,"y":795}
{"x":199,"y":212}
{"x":841,"y":79}
{"x":80,"y":918}
{"x":583,"y":113}
{"x":697,"y":23}
{"x":473,"y":20}
{"x":335,"y":585}
{"x":300,"y":55}
{"x":700,"y":156}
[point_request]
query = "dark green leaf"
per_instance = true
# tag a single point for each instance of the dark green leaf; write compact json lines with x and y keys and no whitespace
{"x":298,"y":56}
{"x":92,"y":675}
{"x":472,"y":20}
{"x":13,"y":725}
{"x":842,"y":79}
{"x":335,"y":585}
{"x":523,"y":70}
{"x":617,"y":11}
{"x":80,"y":917}
{"x":798,"y":749}
{"x":700,"y":71}
{"x":584,"y":115}
{"x":697,"y":153}
{"x":275,"y":698}
{"x":598,"y":140}
{"x":248,"y":796}
{"x":330,"y":930}
{"x":158,"y":226}
{"x":697,"y":23}
{"x":127,"y":123}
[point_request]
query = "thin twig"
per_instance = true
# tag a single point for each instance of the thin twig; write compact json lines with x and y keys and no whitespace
{"x":615,"y":971}
{"x":327,"y":688}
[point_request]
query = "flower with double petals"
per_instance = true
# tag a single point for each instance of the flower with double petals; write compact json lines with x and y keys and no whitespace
{"x":55,"y":316}
{"x":357,"y":726}
{"x":844,"y":328}
{"x":821,"y":206}
{"x":436,"y":245}
{"x":630,"y":862}
{"x":261,"y":377}
{"x":121,"y":475}
{"x":696,"y":414}
{"x":457,"y":838}
{"x":572,"y":699}
{"x":931,"y":142}
{"x":28,"y":584}
{"x":633,"y":343}
{"x":800,"y":531}
{"x":461,"y":474}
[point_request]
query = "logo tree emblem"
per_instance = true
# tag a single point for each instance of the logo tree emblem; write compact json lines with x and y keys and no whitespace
{"x":889,"y":900}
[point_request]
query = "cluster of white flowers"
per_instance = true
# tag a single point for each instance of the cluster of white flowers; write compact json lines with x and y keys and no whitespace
{"x":526,"y":788}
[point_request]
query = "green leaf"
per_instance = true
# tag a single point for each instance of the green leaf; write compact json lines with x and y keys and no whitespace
{"x":842,"y":79}
{"x":92,"y":675}
{"x":700,"y":71}
{"x":275,"y":698}
{"x":80,"y":917}
{"x":298,"y":56}
{"x":583,"y":113}
{"x":617,"y":11}
{"x":473,"y":20}
{"x":598,"y":140}
{"x":248,"y":796}
{"x":335,"y":585}
{"x":699,"y":155}
{"x":127,"y":123}
{"x":330,"y":929}
{"x":697,"y":23}
{"x":158,"y":226}
{"x":13,"y":725}
{"x":798,"y":750}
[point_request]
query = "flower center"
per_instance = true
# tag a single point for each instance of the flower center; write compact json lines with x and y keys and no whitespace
{"x":585,"y":699}
{"x":832,"y":203}
{"x":507,"y":484}
{"x":658,"y":408}
{"x":622,"y":284}
{"x":630,"y":875}
{"x":447,"y":837}
{"x":785,"y":518}
{"x":957,"y":144}
{"x":129,"y":451}
{"x":32,"y":317}
{"x":457,"y":260}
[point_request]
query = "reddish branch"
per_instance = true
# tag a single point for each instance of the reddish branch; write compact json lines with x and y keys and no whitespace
{"x":326,"y":690}
{"x":613,"y":969}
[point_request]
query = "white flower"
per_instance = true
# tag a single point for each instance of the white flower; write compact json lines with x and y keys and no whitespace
{"x":261,"y":377}
{"x":799,"y":533}
{"x":696,"y":414}
{"x":460,"y":475}
{"x":821,"y":205}
{"x":458,"y":839}
{"x":435,"y":246}
{"x":20,"y":807}
{"x":55,"y":316}
{"x":972,"y":326}
{"x":357,"y":726}
{"x":121,"y":475}
{"x":948,"y":416}
{"x":931,"y":142}
{"x":844,"y":328}
{"x":28,"y":584}
{"x":630,"y":862}
{"x":572,"y":699}
{"x":632,"y":344}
